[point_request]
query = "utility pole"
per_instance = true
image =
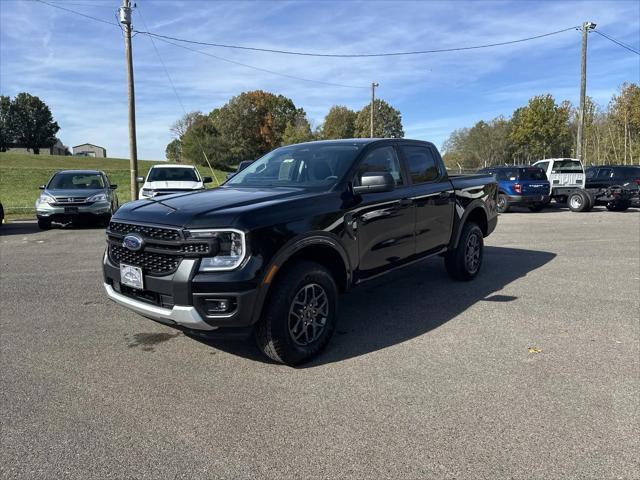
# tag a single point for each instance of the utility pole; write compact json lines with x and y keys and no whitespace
{"x":373,"y":102}
{"x":125,"y":19}
{"x":586,"y":26}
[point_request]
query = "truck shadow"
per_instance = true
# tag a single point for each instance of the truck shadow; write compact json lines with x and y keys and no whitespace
{"x":411,"y":302}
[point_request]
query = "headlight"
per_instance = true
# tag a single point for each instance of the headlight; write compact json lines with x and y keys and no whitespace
{"x":45,"y":198}
{"x":98,"y":197}
{"x":232,"y":249}
{"x":147,"y":192}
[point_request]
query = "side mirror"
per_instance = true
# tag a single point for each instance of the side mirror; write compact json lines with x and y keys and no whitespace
{"x":207,"y":179}
{"x":42,"y":187}
{"x":375,"y":182}
{"x":113,"y":187}
{"x":244,"y":164}
{"x":140,"y":179}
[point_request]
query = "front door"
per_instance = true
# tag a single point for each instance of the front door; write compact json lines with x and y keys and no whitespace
{"x":385,"y":221}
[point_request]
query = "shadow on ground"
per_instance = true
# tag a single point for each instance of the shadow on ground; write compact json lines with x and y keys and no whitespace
{"x":410,"y":302}
{"x":31,"y":227}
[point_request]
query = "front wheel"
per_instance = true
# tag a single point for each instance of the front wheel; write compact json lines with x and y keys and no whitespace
{"x":44,"y":224}
{"x":502,"y":206}
{"x":465,"y":261}
{"x":299,"y":316}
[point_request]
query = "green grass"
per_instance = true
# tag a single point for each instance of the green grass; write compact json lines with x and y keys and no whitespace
{"x":21,"y":175}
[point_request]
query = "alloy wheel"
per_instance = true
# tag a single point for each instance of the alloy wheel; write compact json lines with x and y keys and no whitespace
{"x":472,"y":253}
{"x":308,"y":314}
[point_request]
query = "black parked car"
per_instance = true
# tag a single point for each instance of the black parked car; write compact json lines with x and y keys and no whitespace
{"x":615,"y":186}
{"x":270,"y":250}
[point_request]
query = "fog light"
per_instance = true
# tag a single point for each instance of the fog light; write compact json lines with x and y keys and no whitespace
{"x":218,"y":305}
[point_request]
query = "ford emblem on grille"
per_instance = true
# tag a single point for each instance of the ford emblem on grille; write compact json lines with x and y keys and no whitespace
{"x":133,"y":242}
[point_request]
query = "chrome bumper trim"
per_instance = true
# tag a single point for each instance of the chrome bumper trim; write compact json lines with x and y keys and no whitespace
{"x":185,"y":316}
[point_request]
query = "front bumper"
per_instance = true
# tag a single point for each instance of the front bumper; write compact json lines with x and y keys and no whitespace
{"x":528,"y":199}
{"x":180,"y":299}
{"x":185,"y":316}
{"x":53,"y":212}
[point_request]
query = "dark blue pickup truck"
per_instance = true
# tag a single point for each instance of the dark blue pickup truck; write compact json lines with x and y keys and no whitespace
{"x":520,"y":185}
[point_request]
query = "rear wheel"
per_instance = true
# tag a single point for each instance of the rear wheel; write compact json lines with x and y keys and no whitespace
{"x":579,"y":201}
{"x":618,"y":205}
{"x":300,"y":315}
{"x":503,"y":204}
{"x":465,"y":261}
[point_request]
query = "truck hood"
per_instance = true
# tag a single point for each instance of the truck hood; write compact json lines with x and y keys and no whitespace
{"x":172,"y":185}
{"x":207,"y":208}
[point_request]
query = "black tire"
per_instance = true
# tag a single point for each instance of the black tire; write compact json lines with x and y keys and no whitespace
{"x":44,"y":224}
{"x":463,"y":263}
{"x":579,"y":201}
{"x":502,"y":206}
{"x":536,"y":207}
{"x":276,"y":333}
{"x":618,"y":206}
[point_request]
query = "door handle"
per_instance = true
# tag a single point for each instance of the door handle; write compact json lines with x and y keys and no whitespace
{"x":444,"y":194}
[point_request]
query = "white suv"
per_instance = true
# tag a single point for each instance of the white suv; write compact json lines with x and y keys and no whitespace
{"x":565,"y":175}
{"x":168,"y":179}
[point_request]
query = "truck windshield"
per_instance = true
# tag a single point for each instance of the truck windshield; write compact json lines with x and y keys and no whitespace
{"x":72,"y":181}
{"x":304,"y":165}
{"x":178,"y":174}
{"x":567,"y":166}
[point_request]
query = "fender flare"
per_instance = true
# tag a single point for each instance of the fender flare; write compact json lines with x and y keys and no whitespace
{"x":455,"y":238}
{"x":285,"y":253}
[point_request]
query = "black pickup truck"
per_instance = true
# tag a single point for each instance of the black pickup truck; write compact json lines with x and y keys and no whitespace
{"x":270,"y":250}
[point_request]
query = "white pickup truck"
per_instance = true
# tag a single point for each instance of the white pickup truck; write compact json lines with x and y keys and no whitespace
{"x":168,"y":179}
{"x":565,"y":175}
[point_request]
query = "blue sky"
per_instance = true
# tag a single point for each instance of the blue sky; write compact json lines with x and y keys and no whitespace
{"x":76,"y":65}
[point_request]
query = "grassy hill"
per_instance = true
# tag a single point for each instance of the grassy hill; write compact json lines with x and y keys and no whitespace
{"x":21,"y":175}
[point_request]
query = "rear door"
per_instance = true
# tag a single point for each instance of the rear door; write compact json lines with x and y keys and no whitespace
{"x":432,"y":194}
{"x":385,"y":221}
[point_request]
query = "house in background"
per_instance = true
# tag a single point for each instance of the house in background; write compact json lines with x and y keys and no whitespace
{"x":58,"y":148}
{"x":89,"y":150}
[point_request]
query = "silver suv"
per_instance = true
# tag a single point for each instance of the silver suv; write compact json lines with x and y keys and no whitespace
{"x":75,"y":195}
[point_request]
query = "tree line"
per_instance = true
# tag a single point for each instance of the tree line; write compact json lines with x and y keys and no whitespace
{"x":27,"y":122}
{"x":546,"y":129}
{"x":254,"y":123}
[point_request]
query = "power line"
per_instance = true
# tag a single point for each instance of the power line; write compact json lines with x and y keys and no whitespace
{"x":272,"y":72}
{"x":175,"y":91}
{"x":260,"y":69}
{"x":357,"y":55}
{"x":623,"y":45}
{"x":59,"y":7}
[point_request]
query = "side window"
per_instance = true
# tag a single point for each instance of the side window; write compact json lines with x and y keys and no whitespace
{"x":421,"y":164}
{"x":383,"y":159}
{"x":604,"y":173}
{"x":591,"y":173}
{"x":543,"y":165}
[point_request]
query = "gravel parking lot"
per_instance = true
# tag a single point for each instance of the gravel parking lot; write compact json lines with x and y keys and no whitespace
{"x":531,"y":371}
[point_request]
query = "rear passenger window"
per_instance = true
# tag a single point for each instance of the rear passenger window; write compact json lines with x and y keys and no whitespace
{"x":421,"y":164}
{"x":383,"y":159}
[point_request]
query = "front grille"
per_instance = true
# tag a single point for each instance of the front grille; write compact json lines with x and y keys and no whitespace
{"x":156,"y":233}
{"x":153,"y":263}
{"x":195,"y":248}
{"x":71,"y":200}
